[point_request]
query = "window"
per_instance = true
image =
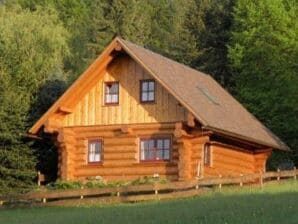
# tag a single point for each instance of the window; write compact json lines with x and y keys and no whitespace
{"x":95,"y":151}
{"x":207,"y":155}
{"x":111,"y":93}
{"x":147,"y":91}
{"x":155,"y":149}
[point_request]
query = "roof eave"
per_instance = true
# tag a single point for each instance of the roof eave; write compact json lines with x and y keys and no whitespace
{"x":282,"y":146}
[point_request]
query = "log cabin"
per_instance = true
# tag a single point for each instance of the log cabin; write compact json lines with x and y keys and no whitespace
{"x":135,"y":113}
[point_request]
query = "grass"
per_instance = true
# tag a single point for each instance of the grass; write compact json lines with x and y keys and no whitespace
{"x":275,"y":203}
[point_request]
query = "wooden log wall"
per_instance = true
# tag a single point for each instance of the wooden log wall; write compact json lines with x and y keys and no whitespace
{"x":120,"y":152}
{"x":66,"y":141}
{"x":228,"y":161}
{"x":184,"y":165}
{"x":92,"y":111}
{"x":197,"y":166}
{"x":261,"y":159}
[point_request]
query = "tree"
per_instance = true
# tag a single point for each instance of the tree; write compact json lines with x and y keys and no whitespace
{"x":73,"y":15}
{"x":209,"y":23}
{"x":33,"y":46}
{"x":263,"y":54}
{"x":129,"y":19}
{"x":154,"y":24}
{"x":17,"y":161}
{"x":168,"y":34}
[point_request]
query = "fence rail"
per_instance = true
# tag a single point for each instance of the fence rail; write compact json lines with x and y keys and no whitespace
{"x":144,"y":192}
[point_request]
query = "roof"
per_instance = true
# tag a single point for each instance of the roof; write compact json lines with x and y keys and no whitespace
{"x":210,"y":103}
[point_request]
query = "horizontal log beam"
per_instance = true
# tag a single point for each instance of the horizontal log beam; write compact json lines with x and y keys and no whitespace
{"x":115,"y":127}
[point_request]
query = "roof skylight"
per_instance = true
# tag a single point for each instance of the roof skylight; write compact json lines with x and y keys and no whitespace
{"x":208,"y":95}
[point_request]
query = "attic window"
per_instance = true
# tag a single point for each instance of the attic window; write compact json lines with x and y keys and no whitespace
{"x":147,"y":91}
{"x":208,"y":95}
{"x":111,"y":93}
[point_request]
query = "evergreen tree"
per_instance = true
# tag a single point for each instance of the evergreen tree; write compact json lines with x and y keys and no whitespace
{"x":168,"y":34}
{"x":129,"y":19}
{"x":33,"y":46}
{"x":263,"y":54}
{"x":209,"y":23}
{"x":17,"y":161}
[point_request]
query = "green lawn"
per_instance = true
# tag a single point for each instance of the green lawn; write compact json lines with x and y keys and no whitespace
{"x":276,"y":203}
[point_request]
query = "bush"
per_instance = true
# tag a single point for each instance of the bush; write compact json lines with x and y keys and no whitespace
{"x":95,"y":184}
{"x":64,"y":185}
{"x":100,"y":183}
{"x":148,"y":180}
{"x":119,"y":183}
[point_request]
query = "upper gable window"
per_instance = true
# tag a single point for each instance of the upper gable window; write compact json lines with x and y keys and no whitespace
{"x":147,"y":91}
{"x":111,"y":93}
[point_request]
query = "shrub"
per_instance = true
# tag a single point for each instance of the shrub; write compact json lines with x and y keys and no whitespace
{"x":148,"y":180}
{"x":95,"y":184}
{"x":64,"y":185}
{"x":119,"y":183}
{"x":100,"y":183}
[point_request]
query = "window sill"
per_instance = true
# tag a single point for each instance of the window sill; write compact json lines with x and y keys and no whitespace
{"x":111,"y":105}
{"x":150,"y":163}
{"x":148,"y":102}
{"x":94,"y":164}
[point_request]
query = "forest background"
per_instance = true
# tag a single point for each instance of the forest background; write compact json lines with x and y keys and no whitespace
{"x":249,"y":46}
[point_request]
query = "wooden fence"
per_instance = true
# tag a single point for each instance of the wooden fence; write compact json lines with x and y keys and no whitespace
{"x":155,"y":191}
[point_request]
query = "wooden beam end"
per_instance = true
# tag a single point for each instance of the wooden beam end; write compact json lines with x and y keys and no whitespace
{"x":65,"y":110}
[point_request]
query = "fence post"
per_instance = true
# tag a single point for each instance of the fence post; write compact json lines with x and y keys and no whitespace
{"x":261,"y":178}
{"x":38,"y":178}
{"x":278,"y":174}
{"x":220,"y":176}
{"x":295,"y":175}
{"x":241,"y":179}
{"x":155,"y":188}
{"x":81,"y":197}
{"x":118,"y":191}
{"x":197,"y":183}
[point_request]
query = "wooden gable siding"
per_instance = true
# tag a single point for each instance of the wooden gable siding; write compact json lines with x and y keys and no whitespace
{"x":92,"y":111}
